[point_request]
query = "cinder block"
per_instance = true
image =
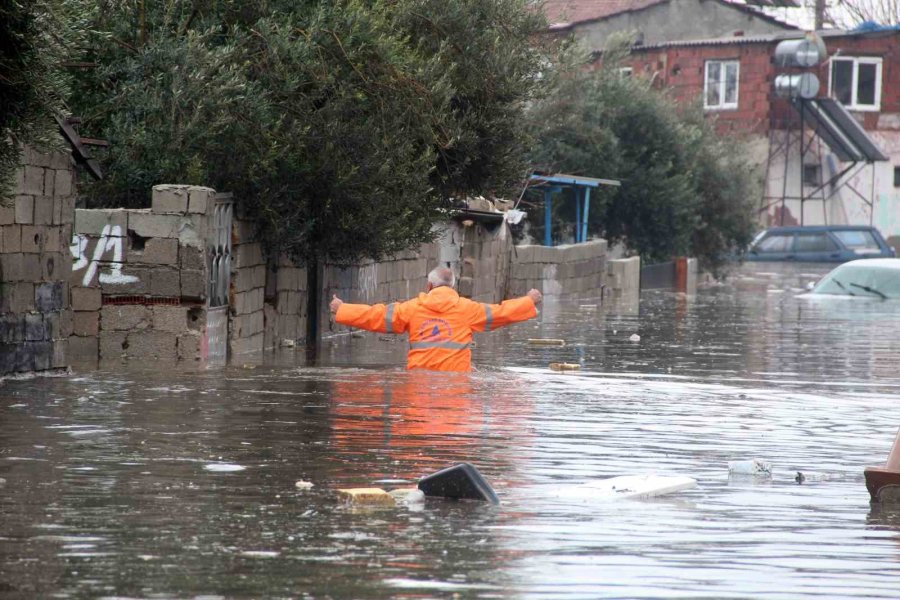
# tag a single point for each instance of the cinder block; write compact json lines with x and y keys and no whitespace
{"x":49,"y":296}
{"x":24,"y":210}
{"x":171,"y":319}
{"x":43,"y":211}
{"x":250,"y":278}
{"x":188,"y":346}
{"x":157,"y":345}
{"x":149,"y":225}
{"x":11,"y":267}
{"x":169,"y":199}
{"x":165,"y":282}
{"x":250,"y":345}
{"x":113,"y":345}
{"x":86,"y":324}
{"x":11,"y":239}
{"x":65,"y":323}
{"x":67,"y":211}
{"x":7,"y":213}
{"x":248,"y":255}
{"x":59,"y":354}
{"x":49,"y":175}
{"x":83,"y":350}
{"x":132,"y":280}
{"x":243,"y":231}
{"x":34,"y":181}
{"x":33,"y":238}
{"x":124,"y":317}
{"x":34,"y":327}
{"x":63,"y":183}
{"x":86,"y":298}
{"x":12,"y":329}
{"x":193,"y":284}
{"x":201,"y":199}
{"x":92,"y":221}
{"x":156,"y":251}
{"x":191,"y":258}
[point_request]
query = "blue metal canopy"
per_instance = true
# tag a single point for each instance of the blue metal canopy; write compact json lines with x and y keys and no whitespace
{"x":582,"y":186}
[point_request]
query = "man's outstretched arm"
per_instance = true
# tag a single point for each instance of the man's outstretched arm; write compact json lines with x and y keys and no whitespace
{"x":494,"y":316}
{"x":383,"y":318}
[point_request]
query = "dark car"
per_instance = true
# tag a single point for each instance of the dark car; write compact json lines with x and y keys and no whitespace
{"x":819,"y":243}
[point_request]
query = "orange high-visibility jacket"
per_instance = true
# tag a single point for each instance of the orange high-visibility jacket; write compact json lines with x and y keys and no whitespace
{"x":440,"y":324}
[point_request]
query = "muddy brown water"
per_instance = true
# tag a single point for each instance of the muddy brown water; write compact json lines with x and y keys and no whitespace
{"x":156,"y":481}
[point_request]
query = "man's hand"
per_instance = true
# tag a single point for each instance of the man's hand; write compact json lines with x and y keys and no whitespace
{"x":335,"y":303}
{"x":535,"y":296}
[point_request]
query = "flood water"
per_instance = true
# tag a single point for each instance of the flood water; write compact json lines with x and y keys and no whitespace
{"x":161,"y":482}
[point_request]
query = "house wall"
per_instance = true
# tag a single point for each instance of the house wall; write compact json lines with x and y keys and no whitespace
{"x":35,"y":228}
{"x":677,"y":20}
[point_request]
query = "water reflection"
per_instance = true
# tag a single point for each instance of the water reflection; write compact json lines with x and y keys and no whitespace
{"x":141,"y":484}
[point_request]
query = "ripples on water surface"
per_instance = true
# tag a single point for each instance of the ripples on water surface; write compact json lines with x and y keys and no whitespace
{"x":136,"y":484}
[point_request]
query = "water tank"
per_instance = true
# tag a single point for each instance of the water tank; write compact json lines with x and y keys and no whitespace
{"x":806,"y":52}
{"x":801,"y":85}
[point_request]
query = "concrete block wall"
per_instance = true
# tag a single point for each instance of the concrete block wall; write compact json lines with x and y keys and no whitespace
{"x":35,"y":227}
{"x":577,"y":270}
{"x":248,"y":290}
{"x":623,"y":281}
{"x":139,"y":278}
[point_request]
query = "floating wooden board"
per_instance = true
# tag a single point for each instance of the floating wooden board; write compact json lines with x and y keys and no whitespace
{"x":366,"y":496}
{"x":628,"y":486}
{"x":564,"y":366}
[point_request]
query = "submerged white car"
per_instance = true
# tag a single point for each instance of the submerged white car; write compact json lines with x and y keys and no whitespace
{"x":869,"y":278}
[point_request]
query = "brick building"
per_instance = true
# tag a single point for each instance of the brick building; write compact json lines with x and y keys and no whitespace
{"x":733,"y":77}
{"x":721,"y":53}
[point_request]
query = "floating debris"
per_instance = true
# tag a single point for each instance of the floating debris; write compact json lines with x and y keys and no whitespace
{"x":304,"y":485}
{"x":408,"y":496}
{"x":564,"y":366}
{"x":366,"y":496}
{"x":750,"y":467}
{"x":634,"y":338}
{"x":459,"y":482}
{"x":546,"y":342}
{"x":287,"y":343}
{"x":357,"y":334}
{"x":223,"y":467}
{"x":587,"y":306}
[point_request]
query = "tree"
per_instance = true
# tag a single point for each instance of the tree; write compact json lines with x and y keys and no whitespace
{"x":850,"y":13}
{"x":685,"y":190}
{"x":32,"y":82}
{"x":344,"y":127}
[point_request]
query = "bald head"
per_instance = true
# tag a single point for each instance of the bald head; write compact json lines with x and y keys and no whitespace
{"x":441,"y":276}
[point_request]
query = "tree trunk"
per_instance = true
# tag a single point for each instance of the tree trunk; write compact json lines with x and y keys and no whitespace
{"x":313,"y":300}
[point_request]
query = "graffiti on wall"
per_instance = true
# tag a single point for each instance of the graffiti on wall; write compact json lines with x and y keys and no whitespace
{"x":110,"y":241}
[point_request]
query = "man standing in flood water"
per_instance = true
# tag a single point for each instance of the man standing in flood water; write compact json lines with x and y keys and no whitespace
{"x":440,"y":323}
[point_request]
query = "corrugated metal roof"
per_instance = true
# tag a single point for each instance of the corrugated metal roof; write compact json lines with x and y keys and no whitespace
{"x":761,"y":39}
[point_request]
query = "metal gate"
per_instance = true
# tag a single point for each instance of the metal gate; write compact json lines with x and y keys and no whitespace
{"x":218,"y":263}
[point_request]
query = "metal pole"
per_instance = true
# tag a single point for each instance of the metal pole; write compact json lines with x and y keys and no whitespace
{"x":577,"y":215}
{"x":548,"y":203}
{"x":802,"y":156}
{"x":587,"y":207}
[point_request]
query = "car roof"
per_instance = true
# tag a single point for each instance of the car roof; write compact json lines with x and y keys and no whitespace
{"x":875,"y":263}
{"x":818,"y":228}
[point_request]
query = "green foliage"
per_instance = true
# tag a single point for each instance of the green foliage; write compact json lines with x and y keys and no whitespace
{"x":685,"y":190}
{"x":32,"y":84}
{"x":344,"y":126}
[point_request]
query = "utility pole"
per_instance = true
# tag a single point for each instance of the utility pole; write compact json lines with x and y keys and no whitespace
{"x":820,"y":14}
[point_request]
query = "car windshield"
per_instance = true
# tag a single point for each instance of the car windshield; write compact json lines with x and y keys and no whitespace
{"x":854,"y":279}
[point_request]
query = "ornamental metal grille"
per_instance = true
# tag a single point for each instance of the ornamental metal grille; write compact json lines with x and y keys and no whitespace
{"x":219,"y":251}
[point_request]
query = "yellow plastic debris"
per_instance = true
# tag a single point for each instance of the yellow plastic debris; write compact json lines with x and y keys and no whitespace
{"x":546,"y":342}
{"x":564,"y":366}
{"x":366,"y":496}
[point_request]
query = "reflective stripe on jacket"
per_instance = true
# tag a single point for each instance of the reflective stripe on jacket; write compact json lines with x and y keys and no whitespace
{"x":440,"y":324}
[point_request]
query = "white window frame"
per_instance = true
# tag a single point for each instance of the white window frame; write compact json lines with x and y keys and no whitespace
{"x":721,"y":83}
{"x":626,"y":71}
{"x":854,"y":82}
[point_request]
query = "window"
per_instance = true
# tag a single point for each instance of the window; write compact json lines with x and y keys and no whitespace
{"x":625,"y":71}
{"x":896,"y":176}
{"x":775,"y":243}
{"x":856,"y":240}
{"x":812,"y":175}
{"x":720,"y":89}
{"x":856,"y":82}
{"x":814,"y":242}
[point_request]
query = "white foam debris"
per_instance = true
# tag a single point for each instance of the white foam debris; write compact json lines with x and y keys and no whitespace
{"x":634,"y":337}
{"x":223,"y":467}
{"x":304,"y":485}
{"x":752,"y":466}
